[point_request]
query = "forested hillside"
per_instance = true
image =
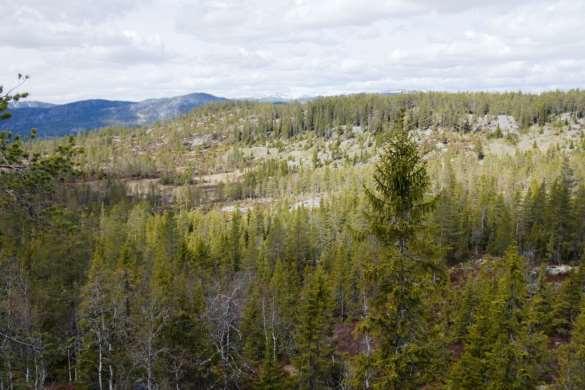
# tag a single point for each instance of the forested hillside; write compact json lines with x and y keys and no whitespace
{"x":421,"y":240}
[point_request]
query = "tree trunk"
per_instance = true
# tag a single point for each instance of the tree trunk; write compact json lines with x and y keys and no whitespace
{"x":273,"y":327}
{"x":100,"y":383}
{"x":69,"y":376}
{"x":367,"y":341}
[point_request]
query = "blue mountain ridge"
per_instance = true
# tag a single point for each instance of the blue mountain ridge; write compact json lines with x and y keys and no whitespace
{"x":54,"y":120}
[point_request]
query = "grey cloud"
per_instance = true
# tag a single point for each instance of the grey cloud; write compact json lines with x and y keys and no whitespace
{"x":133,"y":49}
{"x":285,"y":21}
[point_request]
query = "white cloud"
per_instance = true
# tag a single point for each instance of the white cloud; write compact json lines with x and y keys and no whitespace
{"x":135,"y":49}
{"x":75,"y":11}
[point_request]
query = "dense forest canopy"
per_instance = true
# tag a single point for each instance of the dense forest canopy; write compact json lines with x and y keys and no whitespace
{"x":421,"y":240}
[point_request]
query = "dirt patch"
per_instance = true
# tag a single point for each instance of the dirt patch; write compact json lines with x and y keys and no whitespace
{"x":290,"y":370}
{"x":456,"y":349}
{"x":557,"y":341}
{"x":307,"y":203}
{"x":344,"y":339}
{"x":216,"y":178}
{"x":247,"y":205}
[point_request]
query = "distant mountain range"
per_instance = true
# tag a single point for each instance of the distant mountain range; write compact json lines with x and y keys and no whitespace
{"x":53,"y":120}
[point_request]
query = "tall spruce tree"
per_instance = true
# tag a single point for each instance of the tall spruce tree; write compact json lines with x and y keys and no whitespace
{"x":561,"y":215}
{"x":534,"y":223}
{"x":450,"y":218}
{"x":397,"y":201}
{"x":398,"y":205}
{"x":315,"y":359}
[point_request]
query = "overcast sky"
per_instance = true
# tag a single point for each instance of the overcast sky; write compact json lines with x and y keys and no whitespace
{"x":137,"y":49}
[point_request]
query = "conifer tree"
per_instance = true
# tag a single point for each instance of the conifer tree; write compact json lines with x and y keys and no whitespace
{"x":534,"y":222}
{"x":561,"y":217}
{"x":254,"y":327}
{"x":540,"y":308}
{"x":466,"y":311}
{"x":397,"y":202}
{"x":502,"y":228}
{"x":449,"y":217}
{"x":186,"y":357}
{"x":271,"y":376}
{"x":502,"y":349}
{"x":99,"y":323}
{"x":343,"y":282}
{"x":566,"y":305}
{"x":283,"y":306}
{"x":396,"y":319}
{"x":579,"y":213}
{"x":506,"y":317}
{"x":234,"y":241}
{"x":315,"y":357}
{"x":470,"y":371}
{"x":572,"y":356}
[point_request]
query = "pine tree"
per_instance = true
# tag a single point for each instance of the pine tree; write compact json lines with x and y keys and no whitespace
{"x":283,"y":305}
{"x":449,"y":216}
{"x":566,"y":305}
{"x":502,"y":228}
{"x":540,"y":311}
{"x":234,"y":241}
{"x":466,"y":311}
{"x":562,"y":217}
{"x":99,"y":322}
{"x":343,"y":280}
{"x":271,"y":376}
{"x":502,"y":349}
{"x":315,"y":355}
{"x":535,"y":222}
{"x":506,"y":317}
{"x":572,"y":356}
{"x":470,"y":371}
{"x":396,"y":320}
{"x":398,"y":202}
{"x":254,"y":327}
{"x":579,"y":228}
{"x":184,"y":336}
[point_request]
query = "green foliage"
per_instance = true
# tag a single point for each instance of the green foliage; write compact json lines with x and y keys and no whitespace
{"x":566,"y":306}
{"x":36,"y":227}
{"x":303,"y":280}
{"x":504,"y":346}
{"x":6,"y":97}
{"x":400,"y":183}
{"x":572,"y":356}
{"x":396,"y":320}
{"x":315,"y":360}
